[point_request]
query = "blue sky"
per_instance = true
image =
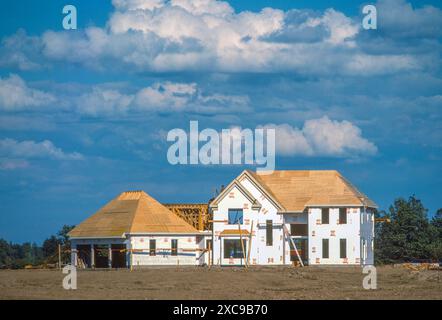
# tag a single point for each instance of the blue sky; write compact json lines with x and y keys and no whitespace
{"x":84,"y":114}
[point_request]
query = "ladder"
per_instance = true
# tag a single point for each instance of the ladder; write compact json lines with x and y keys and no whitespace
{"x":287,"y":233}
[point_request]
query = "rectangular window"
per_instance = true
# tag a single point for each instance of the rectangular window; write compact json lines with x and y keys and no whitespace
{"x":342,"y":215}
{"x":174,"y":244}
{"x":299,"y":230}
{"x":269,"y":232}
{"x":209,"y":244}
{"x":325,"y":250}
{"x":234,"y":249}
{"x":152,"y":247}
{"x":325,"y":216}
{"x":235,"y":216}
{"x":343,"y":248}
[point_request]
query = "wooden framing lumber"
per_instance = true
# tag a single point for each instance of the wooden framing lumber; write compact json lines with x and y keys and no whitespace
{"x":250,"y":244}
{"x":195,"y":214}
{"x":242,"y":244}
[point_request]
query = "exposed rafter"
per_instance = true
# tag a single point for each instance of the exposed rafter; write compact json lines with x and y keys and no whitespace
{"x":196,"y":214}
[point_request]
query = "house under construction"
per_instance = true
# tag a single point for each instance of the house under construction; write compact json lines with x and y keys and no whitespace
{"x":287,"y":217}
{"x":136,"y":230}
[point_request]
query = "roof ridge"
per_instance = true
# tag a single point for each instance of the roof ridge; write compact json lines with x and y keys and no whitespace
{"x":148,"y":197}
{"x":134,"y":215}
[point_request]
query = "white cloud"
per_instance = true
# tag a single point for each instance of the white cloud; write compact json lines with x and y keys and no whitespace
{"x":398,"y":18}
{"x":108,"y":100}
{"x":12,"y":164}
{"x":21,"y":51}
{"x":16,"y":95}
{"x":137,"y":4}
{"x":322,"y":137}
{"x":103,"y":101}
{"x":30,"y":149}
{"x":208,"y":35}
{"x":290,"y":141}
{"x":166,"y":96}
{"x":340,"y":27}
{"x":180,"y":35}
{"x":159,"y":97}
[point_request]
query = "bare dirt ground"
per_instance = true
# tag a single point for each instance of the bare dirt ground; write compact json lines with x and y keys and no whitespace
{"x":223,"y":283}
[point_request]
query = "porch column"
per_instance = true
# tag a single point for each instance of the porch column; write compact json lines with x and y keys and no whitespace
{"x":74,"y":254}
{"x":110,"y":256}
{"x":92,"y":256}
{"x":283,"y":245}
{"x":128,"y":255}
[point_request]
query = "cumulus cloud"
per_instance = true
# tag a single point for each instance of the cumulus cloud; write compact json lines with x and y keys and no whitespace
{"x":109,"y":100}
{"x":16,"y":95}
{"x":322,"y":137}
{"x":162,"y":97}
{"x":173,"y":96}
{"x":182,"y":35}
{"x":103,"y":101}
{"x":398,"y":18}
{"x":29,"y":149}
{"x":21,"y":51}
{"x":309,"y":26}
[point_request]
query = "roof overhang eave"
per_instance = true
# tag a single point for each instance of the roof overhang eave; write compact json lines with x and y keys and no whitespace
{"x":290,"y":212}
{"x":97,"y":237}
{"x":196,"y":233}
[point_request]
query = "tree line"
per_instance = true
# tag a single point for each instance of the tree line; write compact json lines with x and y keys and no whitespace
{"x":18,"y":256}
{"x":408,"y":236}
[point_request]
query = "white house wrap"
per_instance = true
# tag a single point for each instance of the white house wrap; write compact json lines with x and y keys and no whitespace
{"x":287,"y":217}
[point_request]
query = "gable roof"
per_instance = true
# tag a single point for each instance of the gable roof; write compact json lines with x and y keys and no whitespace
{"x":296,"y":190}
{"x":241,"y":188}
{"x":131,"y":212}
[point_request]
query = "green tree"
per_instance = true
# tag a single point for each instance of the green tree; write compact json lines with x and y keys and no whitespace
{"x":408,"y":236}
{"x":14,"y":255}
{"x":5,"y":254}
{"x":435,"y":248}
{"x":437,"y":221}
{"x":50,"y":245}
{"x":63,"y":234}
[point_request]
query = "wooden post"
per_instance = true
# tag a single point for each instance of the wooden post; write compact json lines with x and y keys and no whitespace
{"x":210,"y":251}
{"x":242,"y":244}
{"x":59,"y":256}
{"x":250,"y":244}
{"x":200,"y":220}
